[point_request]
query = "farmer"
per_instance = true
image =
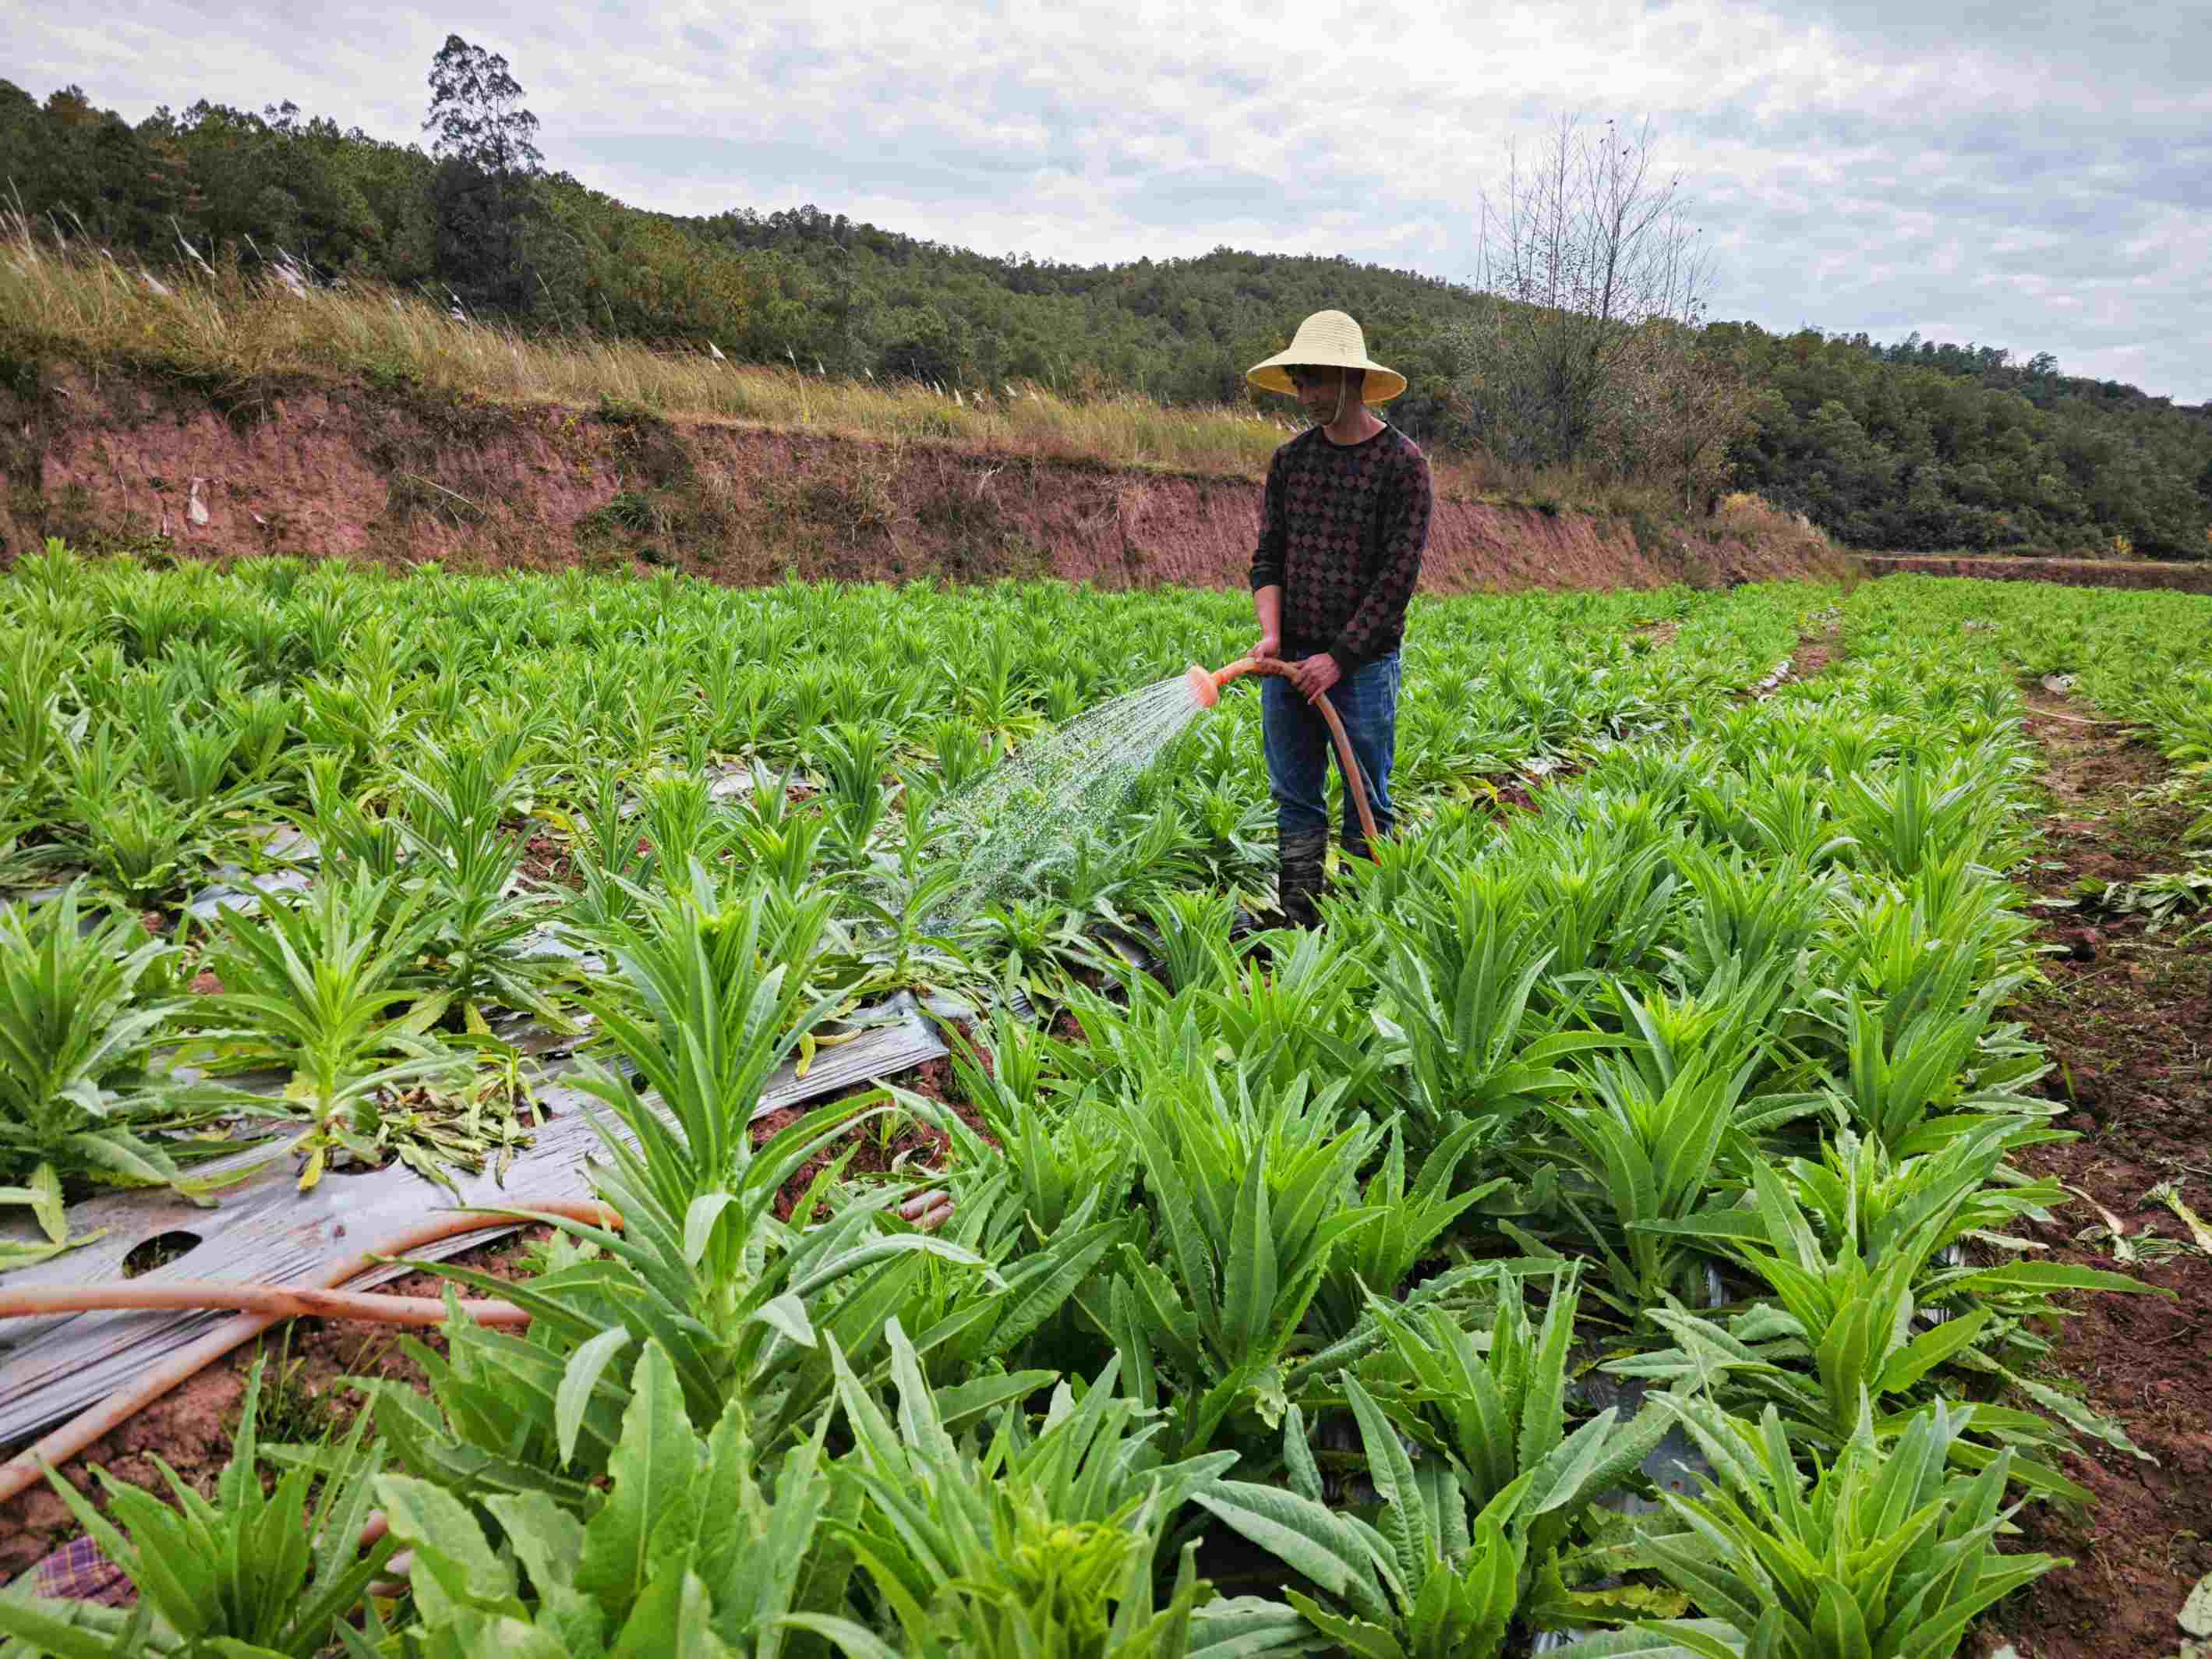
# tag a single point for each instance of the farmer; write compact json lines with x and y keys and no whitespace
{"x":1341,"y":540}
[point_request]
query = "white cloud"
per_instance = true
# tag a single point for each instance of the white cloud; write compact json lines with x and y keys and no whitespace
{"x":2033,"y":180}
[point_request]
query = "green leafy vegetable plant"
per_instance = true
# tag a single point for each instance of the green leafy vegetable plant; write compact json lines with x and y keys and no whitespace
{"x":250,"y":1574}
{"x":1885,"y":1552}
{"x":1254,"y":1191}
{"x":1422,"y":1583}
{"x":693,"y":1550}
{"x":309,"y":988}
{"x":81,"y":1095}
{"x":1043,"y":1544}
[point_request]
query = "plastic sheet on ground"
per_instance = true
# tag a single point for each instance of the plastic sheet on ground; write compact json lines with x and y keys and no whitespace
{"x":1675,"y":1464}
{"x":233,"y":888}
{"x":30,"y":898}
{"x":263,"y":1230}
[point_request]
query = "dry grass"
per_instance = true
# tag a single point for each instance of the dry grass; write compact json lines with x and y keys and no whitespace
{"x":1754,"y":517}
{"x":224,"y":325}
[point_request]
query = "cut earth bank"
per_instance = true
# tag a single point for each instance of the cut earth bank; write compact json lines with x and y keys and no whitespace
{"x":2074,"y":572}
{"x":397,"y":475}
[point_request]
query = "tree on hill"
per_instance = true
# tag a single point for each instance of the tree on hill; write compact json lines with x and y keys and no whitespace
{"x":476,"y":110}
{"x":1599,"y":276}
{"x":481,"y":201}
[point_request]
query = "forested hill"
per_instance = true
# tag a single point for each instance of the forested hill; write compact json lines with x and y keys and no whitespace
{"x":1914,"y":445}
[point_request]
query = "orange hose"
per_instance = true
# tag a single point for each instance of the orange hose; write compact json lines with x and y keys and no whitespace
{"x":80,"y":1431}
{"x":279,"y":1301}
{"x":1350,"y":762}
{"x":265,"y":1304}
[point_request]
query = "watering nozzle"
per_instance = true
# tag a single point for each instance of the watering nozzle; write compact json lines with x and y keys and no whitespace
{"x":1206,"y":684}
{"x":1206,"y":690}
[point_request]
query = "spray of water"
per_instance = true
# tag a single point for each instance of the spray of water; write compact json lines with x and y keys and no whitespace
{"x":1031,"y":808}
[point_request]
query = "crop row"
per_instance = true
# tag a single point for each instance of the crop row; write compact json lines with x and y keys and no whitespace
{"x":422,"y":737}
{"x":1652,"y":1096}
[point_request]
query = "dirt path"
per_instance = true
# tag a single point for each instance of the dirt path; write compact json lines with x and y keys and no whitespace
{"x":2128,"y":1017}
{"x":1816,"y":651}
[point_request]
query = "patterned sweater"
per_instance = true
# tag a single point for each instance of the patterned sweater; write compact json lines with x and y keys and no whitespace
{"x":1341,"y":535}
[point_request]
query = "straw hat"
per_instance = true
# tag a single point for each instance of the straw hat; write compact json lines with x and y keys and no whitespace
{"x":1326,"y":339}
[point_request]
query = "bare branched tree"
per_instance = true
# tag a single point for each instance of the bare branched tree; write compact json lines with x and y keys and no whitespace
{"x":1685,"y":403}
{"x":1585,"y":245}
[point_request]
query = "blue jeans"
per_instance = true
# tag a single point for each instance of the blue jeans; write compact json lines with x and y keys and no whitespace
{"x":1299,"y":746}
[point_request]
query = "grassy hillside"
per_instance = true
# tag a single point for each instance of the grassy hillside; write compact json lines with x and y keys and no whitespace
{"x":1915,"y":444}
{"x":229,"y":328}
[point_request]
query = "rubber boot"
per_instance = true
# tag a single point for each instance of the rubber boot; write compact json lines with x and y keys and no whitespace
{"x":1301,"y":873}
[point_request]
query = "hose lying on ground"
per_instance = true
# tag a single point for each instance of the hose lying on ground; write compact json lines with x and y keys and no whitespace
{"x":265,"y":1304}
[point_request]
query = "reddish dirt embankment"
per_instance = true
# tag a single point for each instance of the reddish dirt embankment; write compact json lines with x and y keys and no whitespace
{"x":2074,"y":572}
{"x":398,"y":475}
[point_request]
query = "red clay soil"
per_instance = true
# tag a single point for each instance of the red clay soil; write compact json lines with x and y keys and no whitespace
{"x":2129,"y":1017}
{"x":2074,"y":573}
{"x":919,"y":1148}
{"x":1816,"y":653}
{"x":329,"y":469}
{"x":546,"y":859}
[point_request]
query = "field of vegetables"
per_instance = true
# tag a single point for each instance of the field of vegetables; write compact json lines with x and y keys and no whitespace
{"x":1616,"y":1230}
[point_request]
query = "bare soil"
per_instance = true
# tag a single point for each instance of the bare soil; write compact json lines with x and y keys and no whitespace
{"x":1815,"y":652}
{"x":546,"y":858}
{"x":892,"y":1144}
{"x":2128,"y":1017}
{"x":339,"y":468}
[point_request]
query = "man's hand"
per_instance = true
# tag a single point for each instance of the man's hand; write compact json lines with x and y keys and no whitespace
{"x":1316,"y":674}
{"x":1269,"y":648}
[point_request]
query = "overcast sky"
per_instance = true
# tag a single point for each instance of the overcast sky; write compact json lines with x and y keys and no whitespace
{"x":2032,"y":176}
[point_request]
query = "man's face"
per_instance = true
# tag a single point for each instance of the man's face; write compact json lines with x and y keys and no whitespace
{"x":1317,"y":390}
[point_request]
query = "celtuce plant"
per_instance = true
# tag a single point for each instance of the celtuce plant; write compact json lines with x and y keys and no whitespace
{"x":1498,"y":1414}
{"x":1250,"y":1188}
{"x":81,"y":1096}
{"x":1650,"y":1151}
{"x":453,"y":813}
{"x":1885,"y":1553}
{"x":1425,"y":1582}
{"x":1043,"y":1544}
{"x":256,"y":1575}
{"x":1405,"y":1224}
{"x":142,"y":844}
{"x":1851,"y":1313}
{"x":1466,"y":961}
{"x":690,"y":1552}
{"x":310,"y":990}
{"x":1057,"y":1154}
{"x":741,"y":1304}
